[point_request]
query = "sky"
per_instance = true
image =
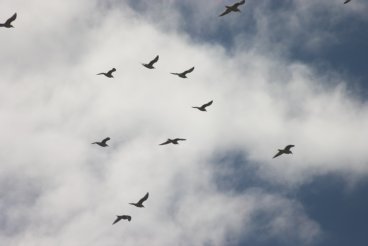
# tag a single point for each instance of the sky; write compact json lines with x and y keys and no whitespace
{"x":279,"y":72}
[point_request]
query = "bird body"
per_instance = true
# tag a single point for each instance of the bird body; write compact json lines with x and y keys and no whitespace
{"x":122,"y":217}
{"x":139,"y":204}
{"x":103,"y":142}
{"x":203,"y":107}
{"x":173,"y":141}
{"x":232,"y":8}
{"x":8,"y":22}
{"x":109,"y":73}
{"x":184,"y":74}
{"x":150,"y":64}
{"x":286,"y":150}
{"x":347,"y":1}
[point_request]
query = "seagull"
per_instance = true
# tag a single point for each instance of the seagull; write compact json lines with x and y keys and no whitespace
{"x":122,"y":217}
{"x":173,"y":141}
{"x":232,"y":8}
{"x":139,"y":204}
{"x":103,"y":142}
{"x":150,"y":64}
{"x":203,"y":107}
{"x":8,"y":22}
{"x":347,"y":1}
{"x":183,"y":74}
{"x":286,"y":150}
{"x":109,"y":73}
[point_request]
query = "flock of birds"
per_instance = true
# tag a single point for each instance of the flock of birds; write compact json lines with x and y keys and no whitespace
{"x":150,"y":65}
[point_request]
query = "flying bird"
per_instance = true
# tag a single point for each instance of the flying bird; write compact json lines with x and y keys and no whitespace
{"x":103,"y":142}
{"x":109,"y":73}
{"x":8,"y":22}
{"x":122,"y":217}
{"x":139,"y":204}
{"x":286,"y":150}
{"x":233,"y":8}
{"x":184,"y":74}
{"x":203,"y":107}
{"x":173,"y":141}
{"x":347,"y":1}
{"x":150,"y":64}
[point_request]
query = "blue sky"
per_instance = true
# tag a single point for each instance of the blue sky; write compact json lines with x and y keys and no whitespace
{"x":339,"y":208}
{"x":341,"y":212}
{"x":344,"y":54}
{"x":279,"y":72}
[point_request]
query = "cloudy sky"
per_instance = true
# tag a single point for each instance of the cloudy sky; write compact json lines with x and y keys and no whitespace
{"x":280,"y":72}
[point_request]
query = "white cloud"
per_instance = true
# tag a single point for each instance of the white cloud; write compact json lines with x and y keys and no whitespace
{"x":60,"y":188}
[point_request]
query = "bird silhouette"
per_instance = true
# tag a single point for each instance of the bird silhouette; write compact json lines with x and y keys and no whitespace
{"x":109,"y":73}
{"x":233,"y":8}
{"x":103,"y":142}
{"x":203,"y":107}
{"x":173,"y":141}
{"x":184,"y":74}
{"x":139,"y":204}
{"x":347,"y":1}
{"x":286,"y":150}
{"x":8,"y":22}
{"x":150,"y":64}
{"x":122,"y":217}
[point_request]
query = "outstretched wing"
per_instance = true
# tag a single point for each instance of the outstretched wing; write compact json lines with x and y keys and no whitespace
{"x":105,"y":140}
{"x":118,"y":218}
{"x":207,"y":104}
{"x":278,"y":154}
{"x":180,"y":139}
{"x":239,"y":3}
{"x":347,"y":1}
{"x":287,"y":148}
{"x":167,"y":142}
{"x":153,"y":61}
{"x":11,"y":19}
{"x":189,"y":70}
{"x":228,"y":10}
{"x":143,"y":199}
